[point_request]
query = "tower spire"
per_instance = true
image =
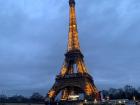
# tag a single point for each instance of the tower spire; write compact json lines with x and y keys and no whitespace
{"x":71,"y":2}
{"x":73,"y":41}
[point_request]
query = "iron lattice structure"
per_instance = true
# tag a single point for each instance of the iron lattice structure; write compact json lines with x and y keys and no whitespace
{"x":73,"y":78}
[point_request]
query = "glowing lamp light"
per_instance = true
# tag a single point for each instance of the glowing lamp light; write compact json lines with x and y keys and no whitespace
{"x":119,"y":102}
{"x":73,"y":97}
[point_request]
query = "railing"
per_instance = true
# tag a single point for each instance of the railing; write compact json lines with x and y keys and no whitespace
{"x":73,"y":75}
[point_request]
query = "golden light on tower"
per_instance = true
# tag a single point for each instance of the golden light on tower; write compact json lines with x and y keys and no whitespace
{"x":73,"y":78}
{"x":51,"y":93}
{"x":73,"y":42}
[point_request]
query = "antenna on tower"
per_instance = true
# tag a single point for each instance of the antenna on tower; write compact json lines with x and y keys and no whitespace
{"x":71,"y":2}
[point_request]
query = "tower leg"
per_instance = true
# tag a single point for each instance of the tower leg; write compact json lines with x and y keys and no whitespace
{"x":64,"y":94}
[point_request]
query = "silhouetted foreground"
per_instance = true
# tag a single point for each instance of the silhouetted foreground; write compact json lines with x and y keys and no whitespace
{"x":35,"y":98}
{"x":19,"y":104}
{"x":128,"y":92}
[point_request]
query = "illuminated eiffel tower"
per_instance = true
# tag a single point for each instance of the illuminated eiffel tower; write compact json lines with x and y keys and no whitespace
{"x":73,"y":79}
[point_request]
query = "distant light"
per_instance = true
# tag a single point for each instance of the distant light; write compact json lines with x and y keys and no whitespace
{"x":74,"y":96}
{"x":134,"y":98}
{"x":108,"y":98}
{"x":95,"y":101}
{"x":119,"y":102}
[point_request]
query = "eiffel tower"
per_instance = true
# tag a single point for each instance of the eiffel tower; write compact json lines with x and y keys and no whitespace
{"x":73,"y":78}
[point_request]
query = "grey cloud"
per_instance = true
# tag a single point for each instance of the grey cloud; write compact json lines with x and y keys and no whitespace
{"x":33,"y":40}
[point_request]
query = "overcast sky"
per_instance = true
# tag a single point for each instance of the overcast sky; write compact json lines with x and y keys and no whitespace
{"x":33,"y":40}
